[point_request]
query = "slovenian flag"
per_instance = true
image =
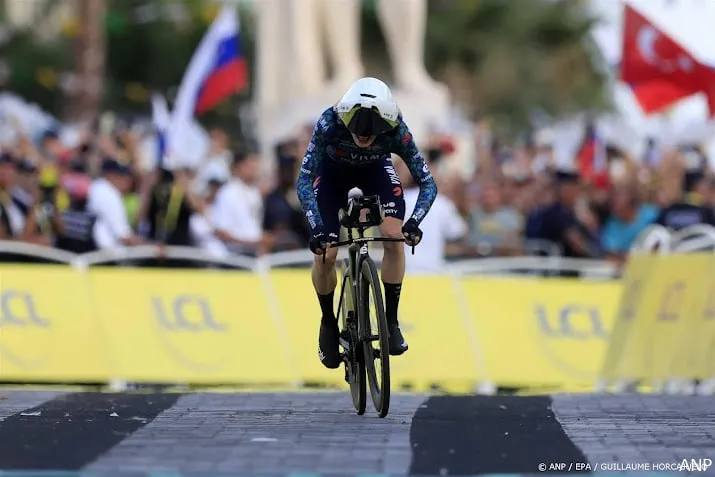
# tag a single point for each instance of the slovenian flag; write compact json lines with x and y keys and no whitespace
{"x":228,"y":73}
{"x":217,"y":70}
{"x":161,"y":119}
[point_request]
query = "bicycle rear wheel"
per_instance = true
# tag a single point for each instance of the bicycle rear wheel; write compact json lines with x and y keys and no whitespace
{"x":370,"y":292}
{"x":355,"y":362}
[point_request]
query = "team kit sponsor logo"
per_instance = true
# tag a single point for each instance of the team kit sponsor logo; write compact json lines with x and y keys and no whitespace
{"x":392,"y":174}
{"x":311,"y":219}
{"x":344,"y":151}
{"x":389,"y":208}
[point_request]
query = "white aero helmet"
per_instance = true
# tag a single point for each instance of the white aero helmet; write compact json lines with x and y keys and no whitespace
{"x":368,"y":108}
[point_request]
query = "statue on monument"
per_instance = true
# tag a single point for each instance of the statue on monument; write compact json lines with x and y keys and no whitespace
{"x":291,"y":66}
{"x":403,"y":25}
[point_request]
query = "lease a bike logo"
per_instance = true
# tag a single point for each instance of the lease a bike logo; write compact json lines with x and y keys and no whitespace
{"x":21,"y":324}
{"x":571,"y":337}
{"x":190,"y":331}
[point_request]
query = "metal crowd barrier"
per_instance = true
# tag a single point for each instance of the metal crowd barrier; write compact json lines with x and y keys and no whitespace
{"x":586,"y":268}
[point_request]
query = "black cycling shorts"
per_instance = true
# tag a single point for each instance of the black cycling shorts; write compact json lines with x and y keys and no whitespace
{"x":335,"y":180}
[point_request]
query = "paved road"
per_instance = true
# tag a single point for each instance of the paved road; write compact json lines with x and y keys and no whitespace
{"x":276,"y":434}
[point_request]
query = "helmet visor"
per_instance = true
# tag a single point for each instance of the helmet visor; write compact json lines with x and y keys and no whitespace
{"x":366,"y":122}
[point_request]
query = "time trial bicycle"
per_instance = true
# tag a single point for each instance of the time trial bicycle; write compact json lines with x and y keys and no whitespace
{"x":365,"y":344}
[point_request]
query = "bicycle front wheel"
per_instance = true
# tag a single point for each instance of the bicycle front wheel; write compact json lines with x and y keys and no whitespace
{"x":355,"y":362}
{"x":374,"y":331}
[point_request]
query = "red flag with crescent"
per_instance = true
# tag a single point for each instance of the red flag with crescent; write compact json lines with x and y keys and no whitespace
{"x":658,"y":69}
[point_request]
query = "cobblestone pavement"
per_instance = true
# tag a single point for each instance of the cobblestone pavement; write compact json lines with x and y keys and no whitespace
{"x":646,"y":429}
{"x":319,"y":433}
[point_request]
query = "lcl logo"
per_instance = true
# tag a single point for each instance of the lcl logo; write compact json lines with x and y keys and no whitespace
{"x":19,"y":312}
{"x":18,"y":309}
{"x":572,"y":321}
{"x":182,"y":314}
{"x":187,"y":313}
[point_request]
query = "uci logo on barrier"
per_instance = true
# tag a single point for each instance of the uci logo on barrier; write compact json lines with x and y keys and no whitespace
{"x":20,"y":318}
{"x":190,"y":331}
{"x":570,"y":336}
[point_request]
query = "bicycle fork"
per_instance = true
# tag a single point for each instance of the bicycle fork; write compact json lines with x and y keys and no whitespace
{"x":351,"y":342}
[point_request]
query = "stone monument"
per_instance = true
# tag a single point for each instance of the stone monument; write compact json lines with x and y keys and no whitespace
{"x":292,"y":83}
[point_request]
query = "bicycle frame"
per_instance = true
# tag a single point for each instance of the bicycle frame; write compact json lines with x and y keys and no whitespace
{"x":357,"y":251}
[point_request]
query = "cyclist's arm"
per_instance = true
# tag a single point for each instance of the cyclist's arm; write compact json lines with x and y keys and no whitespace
{"x":407,"y":150}
{"x":307,"y":175}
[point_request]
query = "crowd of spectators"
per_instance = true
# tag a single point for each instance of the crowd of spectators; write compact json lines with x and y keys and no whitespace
{"x":96,"y":196}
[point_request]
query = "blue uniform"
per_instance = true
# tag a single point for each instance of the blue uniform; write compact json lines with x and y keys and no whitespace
{"x":334,"y":164}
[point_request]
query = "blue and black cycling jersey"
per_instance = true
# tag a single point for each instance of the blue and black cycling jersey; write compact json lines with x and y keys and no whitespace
{"x":332,"y":141}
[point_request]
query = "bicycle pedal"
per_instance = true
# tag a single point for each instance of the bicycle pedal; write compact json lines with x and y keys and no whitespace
{"x":344,"y":343}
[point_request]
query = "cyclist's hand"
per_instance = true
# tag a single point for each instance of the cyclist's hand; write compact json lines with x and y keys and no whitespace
{"x":412,"y":233}
{"x":318,"y":241}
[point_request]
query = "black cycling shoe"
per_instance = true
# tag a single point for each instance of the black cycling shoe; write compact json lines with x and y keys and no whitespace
{"x":328,"y":350}
{"x":398,"y":345}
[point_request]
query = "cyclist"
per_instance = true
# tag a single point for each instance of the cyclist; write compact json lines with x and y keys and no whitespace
{"x":351,"y":147}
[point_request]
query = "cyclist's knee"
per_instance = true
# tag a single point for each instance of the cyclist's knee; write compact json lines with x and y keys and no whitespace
{"x":392,"y":228}
{"x":330,"y":257}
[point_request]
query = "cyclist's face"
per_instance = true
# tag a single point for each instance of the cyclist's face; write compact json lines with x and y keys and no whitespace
{"x":363,"y":141}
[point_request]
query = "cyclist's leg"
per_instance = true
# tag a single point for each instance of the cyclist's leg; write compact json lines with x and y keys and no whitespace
{"x":386,"y":184}
{"x":328,"y":189}
{"x":331,"y":198}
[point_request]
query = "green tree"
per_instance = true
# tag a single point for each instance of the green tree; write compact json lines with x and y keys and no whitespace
{"x":155,"y":53}
{"x":35,"y":69}
{"x":511,"y":59}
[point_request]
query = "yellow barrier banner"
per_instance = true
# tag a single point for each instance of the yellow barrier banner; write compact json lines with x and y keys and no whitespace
{"x":699,"y":342}
{"x":47,"y":331}
{"x":215,"y":327}
{"x":192,"y":326}
{"x":297,"y":304}
{"x":666,"y":319}
{"x":537,"y":332}
{"x":440,"y":355}
{"x":623,"y":356}
{"x":676,"y":282}
{"x":443,"y":350}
